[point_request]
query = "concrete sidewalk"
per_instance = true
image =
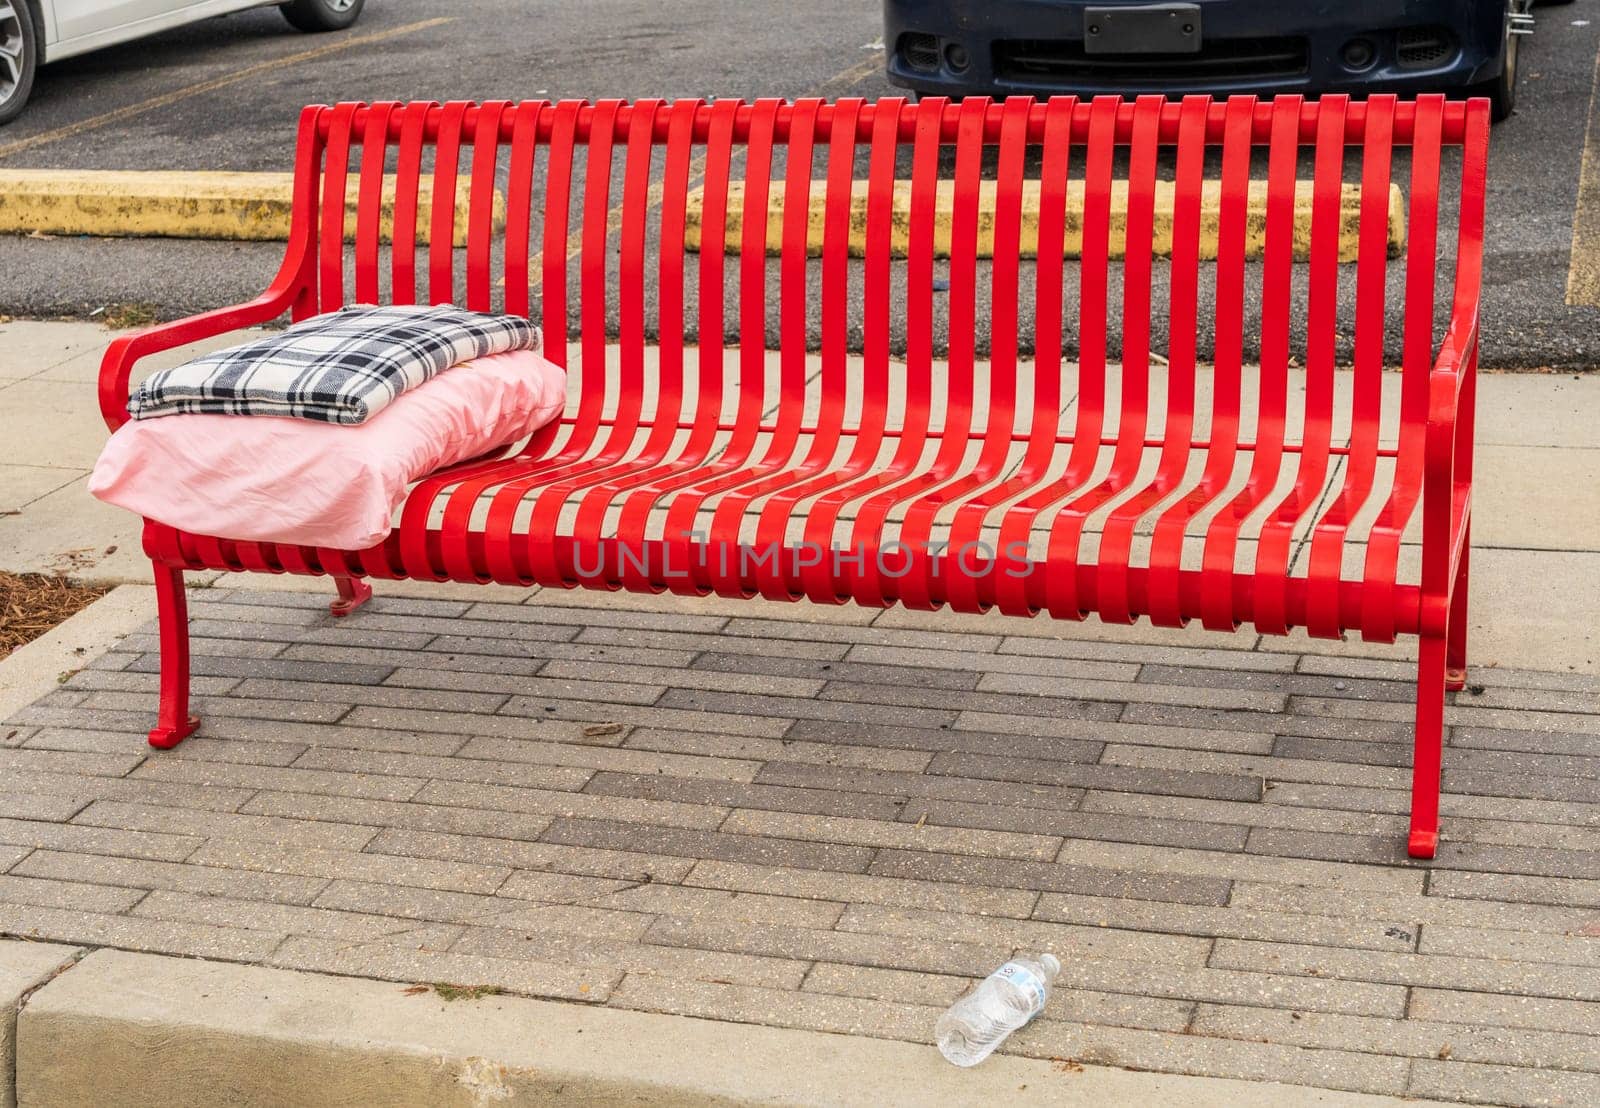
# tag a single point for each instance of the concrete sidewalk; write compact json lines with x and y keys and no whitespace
{"x":787,"y":835}
{"x":736,"y":814}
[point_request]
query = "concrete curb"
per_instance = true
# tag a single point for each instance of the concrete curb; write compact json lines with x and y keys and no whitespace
{"x":133,"y":1029}
{"x":247,"y":207}
{"x":23,"y":968}
{"x":1164,"y":202}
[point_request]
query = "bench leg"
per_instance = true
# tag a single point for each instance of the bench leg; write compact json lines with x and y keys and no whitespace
{"x":1426,"y":758}
{"x":352,"y":594}
{"x":1455,"y":677}
{"x":173,"y":723}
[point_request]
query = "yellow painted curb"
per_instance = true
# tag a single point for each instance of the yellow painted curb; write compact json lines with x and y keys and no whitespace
{"x":251,"y":207}
{"x":1210,"y":210}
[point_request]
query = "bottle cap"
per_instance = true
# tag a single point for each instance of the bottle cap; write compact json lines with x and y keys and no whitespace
{"x":1051,"y":964}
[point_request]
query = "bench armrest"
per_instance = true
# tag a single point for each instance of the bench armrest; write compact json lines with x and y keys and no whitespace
{"x":116,"y":368}
{"x":1447,"y":461}
{"x":1457,"y":361}
{"x":1450,"y":368}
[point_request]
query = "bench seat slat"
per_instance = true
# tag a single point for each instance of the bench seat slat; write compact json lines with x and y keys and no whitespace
{"x":369,"y":203}
{"x":1272,"y":392}
{"x":335,"y":182}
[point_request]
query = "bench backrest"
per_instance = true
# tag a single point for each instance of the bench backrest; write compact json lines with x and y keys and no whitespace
{"x":599,"y":200}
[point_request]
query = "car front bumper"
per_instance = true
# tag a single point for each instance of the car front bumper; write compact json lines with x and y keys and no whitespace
{"x":1021,"y":47}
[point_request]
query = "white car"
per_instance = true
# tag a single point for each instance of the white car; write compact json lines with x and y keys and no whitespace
{"x":33,"y":32}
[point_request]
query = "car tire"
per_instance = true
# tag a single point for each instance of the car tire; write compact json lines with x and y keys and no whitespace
{"x":19,"y":58}
{"x":1502,"y":90}
{"x":321,"y":15}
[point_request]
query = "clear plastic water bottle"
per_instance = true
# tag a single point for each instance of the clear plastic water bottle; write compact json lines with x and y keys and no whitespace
{"x":1009,"y":997}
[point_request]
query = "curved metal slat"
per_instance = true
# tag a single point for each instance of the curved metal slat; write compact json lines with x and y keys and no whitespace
{"x":403,"y":239}
{"x":607,"y":481}
{"x":335,"y":181}
{"x":1383,"y":541}
{"x":521,"y":177}
{"x":480,"y":203}
{"x":505,"y":548}
{"x":1066,"y":531}
{"x":962,"y":553}
{"x":730,"y":487}
{"x":870,"y":530}
{"x":557,"y":220}
{"x":1004,"y":586}
{"x":1274,"y":544}
{"x":1033,"y":587}
{"x":1222,"y":450}
{"x":769,"y":576}
{"x":369,"y":203}
{"x":442,"y":218}
{"x":645,"y":491}
{"x":1272,"y":382}
{"x":593,"y":289}
{"x":1323,"y":614}
{"x":868,"y":436}
{"x":624,"y":423}
{"x":1116,"y":540}
{"x":860,"y":578}
{"x":692,"y":491}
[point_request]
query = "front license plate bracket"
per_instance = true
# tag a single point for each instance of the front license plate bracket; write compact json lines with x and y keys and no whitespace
{"x":1142,"y":29}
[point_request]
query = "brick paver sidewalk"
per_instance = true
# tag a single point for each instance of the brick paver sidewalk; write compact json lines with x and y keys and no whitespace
{"x":838,"y":826}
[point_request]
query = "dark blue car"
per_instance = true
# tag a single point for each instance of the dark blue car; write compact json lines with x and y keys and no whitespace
{"x":1038,"y":47}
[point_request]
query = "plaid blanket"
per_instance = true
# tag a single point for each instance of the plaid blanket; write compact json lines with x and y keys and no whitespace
{"x":342,"y":367}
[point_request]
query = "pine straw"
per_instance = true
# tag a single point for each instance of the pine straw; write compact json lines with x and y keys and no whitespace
{"x":33,"y":603}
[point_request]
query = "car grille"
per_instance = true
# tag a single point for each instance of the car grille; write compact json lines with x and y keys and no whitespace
{"x":1046,"y":60}
{"x":920,"y":52}
{"x":1423,"y":47}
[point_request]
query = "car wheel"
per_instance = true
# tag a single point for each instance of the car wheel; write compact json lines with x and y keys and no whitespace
{"x":1502,"y":90}
{"x":321,"y":15}
{"x":19,"y":57}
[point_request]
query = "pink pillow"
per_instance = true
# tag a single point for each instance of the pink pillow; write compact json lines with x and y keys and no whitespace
{"x":272,"y":479}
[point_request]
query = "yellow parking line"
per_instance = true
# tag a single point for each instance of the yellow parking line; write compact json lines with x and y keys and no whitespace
{"x":1583,"y":269}
{"x":184,"y":93}
{"x":845,"y":79}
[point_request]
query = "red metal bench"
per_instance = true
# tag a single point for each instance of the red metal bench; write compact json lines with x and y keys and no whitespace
{"x":1131,"y":490}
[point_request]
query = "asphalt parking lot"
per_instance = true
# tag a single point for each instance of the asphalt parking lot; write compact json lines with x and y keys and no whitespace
{"x":224,"y":94}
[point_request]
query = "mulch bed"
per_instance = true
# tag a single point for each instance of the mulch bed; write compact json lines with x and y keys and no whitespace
{"x":33,"y":603}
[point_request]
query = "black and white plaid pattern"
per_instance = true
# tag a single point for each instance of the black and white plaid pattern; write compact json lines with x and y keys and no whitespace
{"x":342,"y":367}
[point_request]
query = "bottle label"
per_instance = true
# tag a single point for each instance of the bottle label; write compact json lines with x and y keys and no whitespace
{"x":1024,"y":979}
